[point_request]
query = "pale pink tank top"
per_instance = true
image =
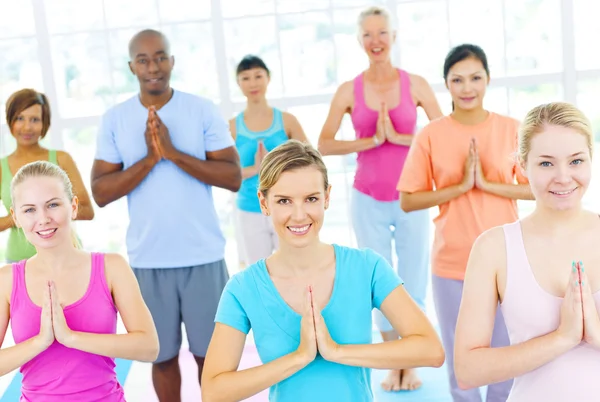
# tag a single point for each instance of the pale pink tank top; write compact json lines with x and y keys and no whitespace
{"x":529,"y":312}
{"x":378,"y":169}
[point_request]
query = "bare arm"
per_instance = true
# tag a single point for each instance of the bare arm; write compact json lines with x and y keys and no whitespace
{"x":427,"y":199}
{"x":6,"y":222}
{"x":419,"y":345}
{"x":141,"y":341}
{"x":293,"y":128}
{"x":110,"y":182}
{"x":86,"y":210}
{"x":15,"y":356}
{"x":507,"y":190}
{"x":221,"y":168}
{"x":341,"y":104}
{"x":476,"y":362}
{"x":425,"y":97}
{"x":222,"y":362}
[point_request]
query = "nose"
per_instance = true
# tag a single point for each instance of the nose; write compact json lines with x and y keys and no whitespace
{"x":153,"y":66}
{"x":563,"y":175}
{"x":298,"y":212}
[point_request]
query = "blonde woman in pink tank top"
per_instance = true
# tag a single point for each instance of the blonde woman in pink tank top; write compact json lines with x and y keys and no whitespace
{"x":62,"y":303}
{"x":545,"y":272}
{"x":382,"y":103}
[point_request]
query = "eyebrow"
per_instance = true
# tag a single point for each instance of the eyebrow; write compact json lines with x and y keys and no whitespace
{"x":552,"y":157}
{"x":33,"y":205}
{"x":287,"y":196}
{"x":460,"y":75}
{"x":145,"y":55}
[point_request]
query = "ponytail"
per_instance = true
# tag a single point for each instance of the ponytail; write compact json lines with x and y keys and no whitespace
{"x":75,"y":239}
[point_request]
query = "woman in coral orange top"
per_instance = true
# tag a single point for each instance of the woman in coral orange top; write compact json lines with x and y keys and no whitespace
{"x":465,"y":164}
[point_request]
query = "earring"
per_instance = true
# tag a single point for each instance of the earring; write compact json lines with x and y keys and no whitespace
{"x":267,"y":213}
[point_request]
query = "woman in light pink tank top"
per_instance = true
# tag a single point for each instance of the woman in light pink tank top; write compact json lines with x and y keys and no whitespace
{"x":62,"y":303}
{"x":382,"y":102}
{"x":544,"y":270}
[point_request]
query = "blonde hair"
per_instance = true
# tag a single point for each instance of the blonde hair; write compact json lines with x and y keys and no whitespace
{"x":374,"y":11}
{"x":560,"y":114}
{"x":291,"y":155}
{"x":45,"y":169}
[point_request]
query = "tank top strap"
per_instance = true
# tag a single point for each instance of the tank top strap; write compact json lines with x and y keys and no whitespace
{"x":98,"y":280}
{"x":19,"y":287}
{"x":405,"y":94}
{"x":52,"y":158}
{"x":518,"y":272}
{"x":359,"y":90}
{"x":277,"y":121}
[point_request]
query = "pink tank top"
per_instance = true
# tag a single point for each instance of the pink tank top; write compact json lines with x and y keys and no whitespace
{"x":61,"y":374}
{"x":378,"y":169}
{"x":529,"y":312}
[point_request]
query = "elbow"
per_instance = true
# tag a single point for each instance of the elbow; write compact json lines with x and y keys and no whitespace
{"x":405,"y":203}
{"x":464,"y":377}
{"x":209,"y":393}
{"x":323,"y":148}
{"x":438,"y":356}
{"x":150,"y":353}
{"x":235,"y":184}
{"x":88,"y":213}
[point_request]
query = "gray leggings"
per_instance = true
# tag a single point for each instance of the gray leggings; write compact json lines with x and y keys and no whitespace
{"x":447,"y":294}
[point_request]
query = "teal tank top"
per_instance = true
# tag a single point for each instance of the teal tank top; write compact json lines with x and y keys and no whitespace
{"x":18,"y":247}
{"x":246,"y":143}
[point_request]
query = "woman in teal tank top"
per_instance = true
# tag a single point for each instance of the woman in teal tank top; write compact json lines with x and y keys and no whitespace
{"x":256,"y":131}
{"x":28,"y":117}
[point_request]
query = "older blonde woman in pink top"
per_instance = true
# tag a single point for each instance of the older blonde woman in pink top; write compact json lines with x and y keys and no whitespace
{"x":544,"y":270}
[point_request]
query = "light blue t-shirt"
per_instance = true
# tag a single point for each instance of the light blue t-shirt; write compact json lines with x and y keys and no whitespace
{"x":246,"y":142}
{"x":172,"y":219}
{"x":363,"y":279}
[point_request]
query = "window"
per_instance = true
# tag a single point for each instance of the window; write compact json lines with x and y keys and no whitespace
{"x":587,"y":30}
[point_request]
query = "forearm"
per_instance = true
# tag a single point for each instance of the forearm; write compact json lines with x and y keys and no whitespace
{"x":401,"y":139}
{"x":409,"y":352}
{"x":85,"y":212}
{"x":249,"y":171}
{"x":240,"y":385}
{"x":6,"y":222}
{"x":136,"y":346}
{"x":512,"y":191}
{"x":112,"y":186}
{"x":223,"y":174}
{"x":427,"y":199}
{"x":485,"y":366}
{"x":16,"y":356}
{"x":342,"y":147}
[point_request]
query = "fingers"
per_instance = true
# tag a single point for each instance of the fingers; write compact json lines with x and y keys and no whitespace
{"x":574,"y":289}
{"x":586,"y":289}
{"x":308,"y":302}
{"x":47,"y":301}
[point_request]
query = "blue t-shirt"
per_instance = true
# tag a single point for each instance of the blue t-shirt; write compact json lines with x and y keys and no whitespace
{"x":246,"y":142}
{"x":172,"y":219}
{"x":363,"y":279}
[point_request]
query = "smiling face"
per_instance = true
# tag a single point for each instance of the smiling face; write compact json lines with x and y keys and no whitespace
{"x":27,"y":127}
{"x":151,"y":63}
{"x":376,"y":38}
{"x":467,"y":82}
{"x":296,"y":204}
{"x":559,"y":167}
{"x":41,"y":207}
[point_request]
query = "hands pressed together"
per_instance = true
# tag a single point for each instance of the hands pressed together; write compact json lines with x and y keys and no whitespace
{"x":579,"y":320}
{"x":157,"y":136}
{"x":314,"y":335}
{"x":53,"y":325}
{"x":473,"y":173}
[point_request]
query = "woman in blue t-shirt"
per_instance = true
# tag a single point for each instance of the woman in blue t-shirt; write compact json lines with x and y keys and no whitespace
{"x":256,"y":131}
{"x":309,"y":304}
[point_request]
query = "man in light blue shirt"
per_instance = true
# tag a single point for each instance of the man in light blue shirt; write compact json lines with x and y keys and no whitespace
{"x":164,"y":149}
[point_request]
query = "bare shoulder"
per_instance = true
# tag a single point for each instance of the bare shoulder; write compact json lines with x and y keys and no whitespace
{"x":232,"y":128}
{"x":417,"y":81}
{"x":115,"y":266}
{"x":489,"y":252}
{"x":63,"y":157}
{"x":6,"y":280}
